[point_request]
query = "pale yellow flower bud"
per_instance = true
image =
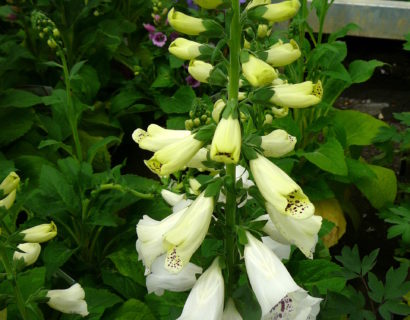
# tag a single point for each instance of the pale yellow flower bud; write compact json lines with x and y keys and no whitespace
{"x":184,"y":49}
{"x":208,"y":4}
{"x":184,"y":23}
{"x":200,"y":70}
{"x":277,"y":143}
{"x":30,"y":253}
{"x":276,"y":12}
{"x":282,"y":54}
{"x":263,"y":30}
{"x":258,"y":72}
{"x":10,"y":183}
{"x":219,"y":105}
{"x":40,"y":233}
{"x":226,"y":143}
{"x":300,"y":95}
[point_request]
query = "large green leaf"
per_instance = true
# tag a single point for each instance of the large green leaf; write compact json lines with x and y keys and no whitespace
{"x":19,"y":99}
{"x":329,"y":157}
{"x":360,"y":128}
{"x":381,"y":190}
{"x":98,"y":300}
{"x":180,"y":102}
{"x":131,"y":309}
{"x":14,"y":123}
{"x":126,"y":262}
{"x":54,"y":256}
{"x":361,"y":71}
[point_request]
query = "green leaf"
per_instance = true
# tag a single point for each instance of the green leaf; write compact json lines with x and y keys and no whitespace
{"x":31,"y":280}
{"x":360,"y":128}
{"x":359,"y":170}
{"x":131,"y":309}
{"x":164,"y":78}
{"x":381,"y":190}
{"x":319,"y":273}
{"x":19,"y":99}
{"x":213,"y":188}
{"x":98,"y":300}
{"x":127,"y":264}
{"x":124,"y":99}
{"x":180,"y":102}
{"x":168,"y":306}
{"x":212,"y":248}
{"x":74,"y":70}
{"x":325,"y":228}
{"x":176,"y":123}
{"x":396,"y":286}
{"x":14,"y":123}
{"x":54,"y":256}
{"x":361,"y":71}
{"x":350,"y":259}
{"x":329,"y":157}
{"x":124,"y":286}
{"x":343,"y":32}
{"x":368,"y":262}
{"x":92,"y":151}
{"x":376,"y":288}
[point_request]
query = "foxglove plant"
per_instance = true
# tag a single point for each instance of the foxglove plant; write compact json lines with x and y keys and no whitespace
{"x":232,"y":145}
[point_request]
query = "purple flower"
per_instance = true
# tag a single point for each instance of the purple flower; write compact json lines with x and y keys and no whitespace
{"x":149,"y":27}
{"x":157,"y":18}
{"x":192,"y":82}
{"x":191,"y":4}
{"x":159,"y":39}
{"x":242,"y":1}
{"x":173,"y":36}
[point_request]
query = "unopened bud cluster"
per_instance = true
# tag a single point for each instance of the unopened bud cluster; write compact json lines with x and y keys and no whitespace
{"x":46,"y":29}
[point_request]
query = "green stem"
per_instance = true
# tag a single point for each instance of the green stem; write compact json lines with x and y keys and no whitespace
{"x":233,"y":88}
{"x":71,"y":112}
{"x":19,"y":297}
{"x":114,"y":186}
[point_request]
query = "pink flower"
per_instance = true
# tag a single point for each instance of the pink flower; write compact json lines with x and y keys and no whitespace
{"x":149,"y":27}
{"x":157,"y":18}
{"x":159,"y":39}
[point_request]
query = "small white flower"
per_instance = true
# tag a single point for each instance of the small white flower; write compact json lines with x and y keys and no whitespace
{"x":30,"y":253}
{"x":161,"y":279}
{"x":300,"y":232}
{"x":230,"y":312}
{"x":70,"y":300}
{"x":280,"y":190}
{"x":206,"y":299}
{"x":277,"y":293}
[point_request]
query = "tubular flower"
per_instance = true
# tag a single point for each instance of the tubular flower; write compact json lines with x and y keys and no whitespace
{"x":9,"y":186}
{"x":197,"y":160}
{"x":258,"y":72}
{"x":263,"y":31}
{"x":174,"y":157}
{"x":30,"y":253}
{"x":175,"y":200}
{"x":156,"y":137}
{"x":277,"y":293}
{"x":70,"y":300}
{"x":282,"y":54}
{"x":206,"y":298}
{"x":200,"y":70}
{"x":184,"y":49}
{"x":226,"y":143}
{"x":151,"y":235}
{"x":276,"y":12}
{"x":301,"y":233}
{"x":219,"y":106}
{"x":185,"y":24}
{"x":277,"y":143}
{"x":160,"y":279}
{"x":40,"y":233}
{"x":208,"y":4}
{"x":280,"y":190}
{"x":230,"y":312}
{"x":186,"y":236}
{"x":300,"y":95}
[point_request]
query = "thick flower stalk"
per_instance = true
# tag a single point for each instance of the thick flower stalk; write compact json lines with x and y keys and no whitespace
{"x":300,"y":95}
{"x":280,"y":190}
{"x":277,"y":293}
{"x":69,"y":300}
{"x":187,"y":235}
{"x":40,"y":233}
{"x":29,"y":253}
{"x":206,"y":298}
{"x":174,"y":157}
{"x":226,"y":143}
{"x":156,"y":137}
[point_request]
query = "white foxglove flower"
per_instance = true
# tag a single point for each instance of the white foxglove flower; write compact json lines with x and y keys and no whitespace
{"x":151,"y":235}
{"x":226,"y":143}
{"x":187,"y":235}
{"x":177,"y":201}
{"x":282,"y":54}
{"x":258,"y":72}
{"x":280,"y":190}
{"x":156,"y":137}
{"x":301,"y":233}
{"x":277,"y":293}
{"x":300,"y":95}
{"x":161,"y":279}
{"x":70,"y":300}
{"x":40,"y":233}
{"x":197,"y":160}
{"x":281,"y":250}
{"x":30,"y":253}
{"x":206,"y":299}
{"x":230,"y":312}
{"x":174,"y":157}
{"x":277,"y":143}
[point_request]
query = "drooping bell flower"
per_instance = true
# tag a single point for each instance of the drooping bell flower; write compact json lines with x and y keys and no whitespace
{"x":200,"y":70}
{"x":174,"y":157}
{"x":282,"y":54}
{"x":206,"y":299}
{"x":40,"y":233}
{"x":29,"y":254}
{"x":301,"y":233}
{"x":69,"y":300}
{"x":258,"y":72}
{"x":226,"y":142}
{"x":275,"y":12}
{"x":187,"y":235}
{"x":300,"y":95}
{"x":191,"y":25}
{"x":185,"y":49}
{"x":280,"y":190}
{"x":277,"y":143}
{"x":277,"y":293}
{"x":161,"y":279}
{"x":156,"y":137}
